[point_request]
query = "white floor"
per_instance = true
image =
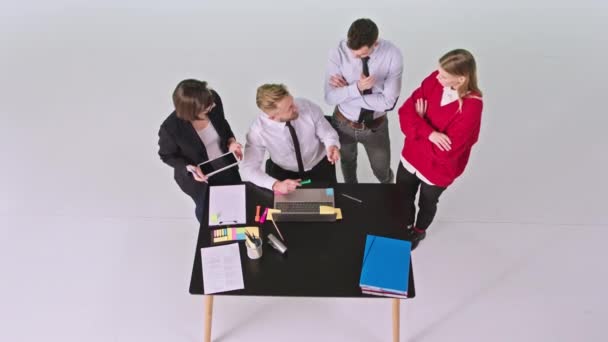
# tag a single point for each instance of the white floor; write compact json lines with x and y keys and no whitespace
{"x":69,"y":281}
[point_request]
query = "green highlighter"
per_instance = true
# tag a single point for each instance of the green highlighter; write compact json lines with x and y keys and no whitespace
{"x":306,"y":181}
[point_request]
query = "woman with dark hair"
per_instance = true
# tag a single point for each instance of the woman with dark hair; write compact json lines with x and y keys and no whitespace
{"x":441,"y":122}
{"x":195,"y":132}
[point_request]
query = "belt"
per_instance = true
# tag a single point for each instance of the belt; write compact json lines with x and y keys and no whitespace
{"x":356,"y":125}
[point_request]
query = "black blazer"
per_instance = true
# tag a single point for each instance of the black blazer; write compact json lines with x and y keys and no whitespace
{"x":180,"y":145}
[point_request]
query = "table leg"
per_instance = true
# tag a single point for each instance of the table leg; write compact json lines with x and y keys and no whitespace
{"x":396,"y":303}
{"x":208,"y":315}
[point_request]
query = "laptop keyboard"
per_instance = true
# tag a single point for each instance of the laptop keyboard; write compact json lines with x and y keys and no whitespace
{"x":301,"y":207}
{"x":295,"y":217}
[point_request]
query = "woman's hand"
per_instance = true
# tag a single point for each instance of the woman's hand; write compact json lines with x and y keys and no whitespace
{"x":421,"y":106}
{"x":441,"y":140}
{"x":237,"y":148}
{"x":197,"y":173}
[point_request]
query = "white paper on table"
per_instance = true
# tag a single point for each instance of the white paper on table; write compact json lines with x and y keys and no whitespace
{"x":227,"y":205}
{"x":222,"y":269}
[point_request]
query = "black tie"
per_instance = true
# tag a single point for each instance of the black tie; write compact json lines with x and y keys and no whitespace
{"x":296,"y":145}
{"x":366,"y":116}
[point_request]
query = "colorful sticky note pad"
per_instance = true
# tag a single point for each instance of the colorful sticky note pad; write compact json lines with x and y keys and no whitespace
{"x":233,"y":234}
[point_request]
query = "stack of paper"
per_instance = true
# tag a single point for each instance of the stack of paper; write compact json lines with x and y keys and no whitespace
{"x":386,"y":267}
{"x":222,"y":269}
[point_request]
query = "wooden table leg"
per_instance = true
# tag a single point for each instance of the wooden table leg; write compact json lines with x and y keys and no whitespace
{"x":396,"y":303}
{"x":208,"y":315}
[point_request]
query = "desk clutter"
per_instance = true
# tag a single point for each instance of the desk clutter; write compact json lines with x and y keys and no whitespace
{"x":385,"y":266}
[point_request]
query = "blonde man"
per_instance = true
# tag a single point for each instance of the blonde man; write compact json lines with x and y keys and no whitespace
{"x":301,"y":143}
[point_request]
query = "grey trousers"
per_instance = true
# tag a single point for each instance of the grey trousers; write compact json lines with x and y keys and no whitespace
{"x":377,"y":145}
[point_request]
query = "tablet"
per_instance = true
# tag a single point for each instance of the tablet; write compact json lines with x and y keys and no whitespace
{"x":219,"y":164}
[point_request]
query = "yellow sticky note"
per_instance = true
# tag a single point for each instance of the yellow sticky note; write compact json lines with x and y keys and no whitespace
{"x":214,"y":218}
{"x":270,"y":212}
{"x":324,"y":209}
{"x":255,"y":231}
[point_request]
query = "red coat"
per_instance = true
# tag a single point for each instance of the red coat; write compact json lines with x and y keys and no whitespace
{"x":461,"y":126}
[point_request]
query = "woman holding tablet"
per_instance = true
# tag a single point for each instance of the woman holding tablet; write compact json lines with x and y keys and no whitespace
{"x":196,"y":132}
{"x":441,"y":122}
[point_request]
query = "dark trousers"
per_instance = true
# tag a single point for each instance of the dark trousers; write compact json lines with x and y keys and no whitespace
{"x":322,"y":175}
{"x":427,"y":203}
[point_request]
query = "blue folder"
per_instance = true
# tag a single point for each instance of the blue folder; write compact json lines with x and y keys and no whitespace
{"x":386,"y":264}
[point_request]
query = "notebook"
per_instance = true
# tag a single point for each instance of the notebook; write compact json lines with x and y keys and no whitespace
{"x":386,"y":266}
{"x":227,"y":205}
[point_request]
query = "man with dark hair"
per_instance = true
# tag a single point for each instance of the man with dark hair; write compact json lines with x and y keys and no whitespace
{"x":363,"y":81}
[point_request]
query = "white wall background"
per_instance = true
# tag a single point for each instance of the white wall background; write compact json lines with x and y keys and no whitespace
{"x":84,"y":87}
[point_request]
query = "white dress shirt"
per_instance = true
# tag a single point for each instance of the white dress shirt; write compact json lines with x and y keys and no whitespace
{"x":448,"y":96}
{"x":315,"y":135}
{"x":385,"y":65}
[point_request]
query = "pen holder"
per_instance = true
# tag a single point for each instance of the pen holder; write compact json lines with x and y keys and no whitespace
{"x":254,"y":251}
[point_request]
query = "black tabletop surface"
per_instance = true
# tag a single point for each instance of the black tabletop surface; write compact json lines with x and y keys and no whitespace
{"x":324,"y":258}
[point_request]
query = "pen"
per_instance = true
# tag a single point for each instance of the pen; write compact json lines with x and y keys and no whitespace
{"x":252,"y":239}
{"x":263,"y":218}
{"x":225,"y":222}
{"x":257,"y":214}
{"x":352,"y":198}
{"x":278,"y":231}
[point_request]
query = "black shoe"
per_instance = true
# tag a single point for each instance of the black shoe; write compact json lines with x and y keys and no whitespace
{"x":415,"y":237}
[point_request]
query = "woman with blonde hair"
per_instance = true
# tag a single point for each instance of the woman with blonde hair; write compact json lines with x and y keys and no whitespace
{"x":441,"y":122}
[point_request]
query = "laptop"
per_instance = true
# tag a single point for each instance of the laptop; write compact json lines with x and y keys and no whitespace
{"x":303,"y":205}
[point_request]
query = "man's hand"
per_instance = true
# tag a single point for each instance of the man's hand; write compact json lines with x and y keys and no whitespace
{"x":365,"y":83}
{"x":333,"y":154}
{"x":286,"y":186}
{"x":441,"y":140}
{"x":197,"y":174}
{"x":337,"y":81}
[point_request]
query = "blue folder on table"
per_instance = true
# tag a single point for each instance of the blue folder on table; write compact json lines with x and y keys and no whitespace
{"x":386,"y":266}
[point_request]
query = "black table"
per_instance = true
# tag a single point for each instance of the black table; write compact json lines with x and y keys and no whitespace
{"x":324,"y":258}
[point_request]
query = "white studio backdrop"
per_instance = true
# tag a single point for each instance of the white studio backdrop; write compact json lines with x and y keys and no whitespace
{"x":84,"y":87}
